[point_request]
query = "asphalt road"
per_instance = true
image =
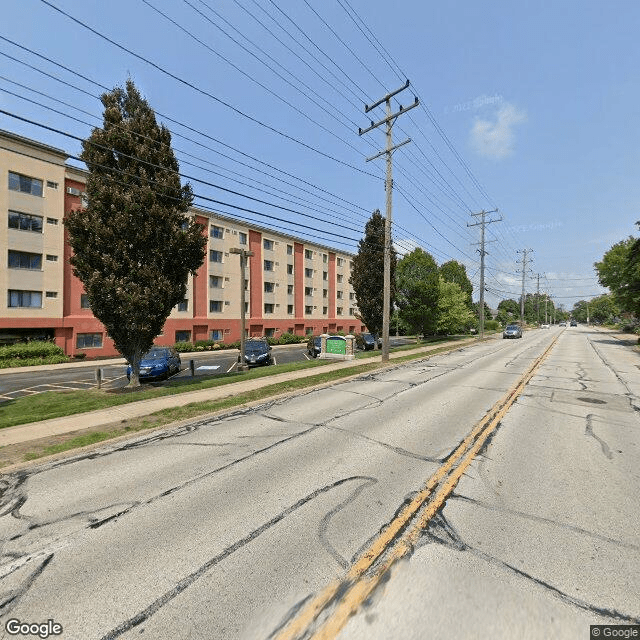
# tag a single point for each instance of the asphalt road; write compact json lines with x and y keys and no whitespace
{"x":28,"y":382}
{"x":226,"y":527}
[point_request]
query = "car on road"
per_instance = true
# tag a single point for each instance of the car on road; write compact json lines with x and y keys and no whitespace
{"x":257,"y":352}
{"x":544,"y":325}
{"x":158,"y":363}
{"x":512,"y":331}
{"x":314,"y":346}
{"x":563,"y":324}
{"x":573,"y":323}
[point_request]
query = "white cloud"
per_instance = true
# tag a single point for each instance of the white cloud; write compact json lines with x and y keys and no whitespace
{"x":496,"y":138}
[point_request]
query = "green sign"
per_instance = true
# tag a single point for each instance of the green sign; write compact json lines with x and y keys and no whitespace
{"x":337,"y":345}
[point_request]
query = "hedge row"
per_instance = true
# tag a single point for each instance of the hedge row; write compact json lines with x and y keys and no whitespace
{"x":28,"y":362}
{"x":213,"y":345}
{"x":31,"y":350}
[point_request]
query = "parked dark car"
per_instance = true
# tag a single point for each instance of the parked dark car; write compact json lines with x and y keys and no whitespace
{"x":158,"y":363}
{"x":366,"y":341}
{"x":573,"y":323}
{"x":314,"y":346}
{"x":257,"y":351}
{"x":512,"y":331}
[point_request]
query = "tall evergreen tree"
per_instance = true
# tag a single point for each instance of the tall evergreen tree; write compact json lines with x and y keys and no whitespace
{"x":418,"y":289}
{"x":133,"y":245}
{"x":367,"y":275}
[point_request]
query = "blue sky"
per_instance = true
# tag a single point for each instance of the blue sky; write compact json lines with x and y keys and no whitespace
{"x":540,"y":102}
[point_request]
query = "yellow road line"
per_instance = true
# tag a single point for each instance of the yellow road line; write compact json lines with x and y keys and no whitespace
{"x":349,"y":593}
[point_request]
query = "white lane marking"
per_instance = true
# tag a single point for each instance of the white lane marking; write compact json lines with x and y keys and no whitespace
{"x":231,"y":367}
{"x":208,"y":368}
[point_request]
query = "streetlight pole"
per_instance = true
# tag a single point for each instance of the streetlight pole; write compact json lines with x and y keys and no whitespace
{"x":243,"y":261}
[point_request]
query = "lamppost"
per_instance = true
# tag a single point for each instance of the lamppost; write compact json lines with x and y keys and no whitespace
{"x":244,"y":254}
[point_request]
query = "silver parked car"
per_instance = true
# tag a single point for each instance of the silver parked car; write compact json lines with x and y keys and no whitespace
{"x":512,"y":331}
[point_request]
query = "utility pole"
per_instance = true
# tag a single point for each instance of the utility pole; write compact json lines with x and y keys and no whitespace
{"x":483,"y":222}
{"x":389,"y":120}
{"x":524,"y":271}
{"x":546,"y":300}
{"x":538,"y":301}
{"x":244,"y":254}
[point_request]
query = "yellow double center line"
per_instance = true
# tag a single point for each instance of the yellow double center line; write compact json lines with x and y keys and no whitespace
{"x":325,"y":615}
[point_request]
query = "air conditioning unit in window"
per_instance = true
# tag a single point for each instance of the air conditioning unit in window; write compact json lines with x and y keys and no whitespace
{"x":73,"y":191}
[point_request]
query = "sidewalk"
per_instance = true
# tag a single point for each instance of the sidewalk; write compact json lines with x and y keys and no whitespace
{"x":77,"y":422}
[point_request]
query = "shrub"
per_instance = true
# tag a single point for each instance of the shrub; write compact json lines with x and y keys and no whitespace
{"x":28,"y":362}
{"x":492,"y":325}
{"x":291,"y":338}
{"x":184,"y":347}
{"x":30,"y":350}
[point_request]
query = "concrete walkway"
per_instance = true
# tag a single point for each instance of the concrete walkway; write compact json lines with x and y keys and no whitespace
{"x":69,"y":424}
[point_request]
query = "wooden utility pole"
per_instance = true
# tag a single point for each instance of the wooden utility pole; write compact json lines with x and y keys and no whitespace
{"x":524,"y":271}
{"x":483,"y":253}
{"x":243,"y":261}
{"x":389,"y":121}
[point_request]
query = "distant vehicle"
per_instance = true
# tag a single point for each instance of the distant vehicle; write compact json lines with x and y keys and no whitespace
{"x":512,"y":331}
{"x":544,"y":326}
{"x":573,"y":323}
{"x":257,"y":351}
{"x":563,"y":324}
{"x":157,"y":363}
{"x":314,"y":346}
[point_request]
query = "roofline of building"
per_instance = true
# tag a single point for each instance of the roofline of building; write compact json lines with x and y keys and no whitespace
{"x":33,"y":143}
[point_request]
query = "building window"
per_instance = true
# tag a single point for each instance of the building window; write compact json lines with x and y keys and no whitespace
{"x":216,"y":232}
{"x":308,"y":291}
{"x":325,"y":275}
{"x":242,"y":238}
{"x":51,"y":258}
{"x":52,"y":220}
{"x":51,"y":184}
{"x":183,"y":305}
{"x":215,"y":306}
{"x":308,"y":273}
{"x":290,"y":269}
{"x":351,"y":295}
{"x":325,"y":293}
{"x":339,"y":295}
{"x":339,"y":279}
{"x":89,"y":341}
{"x":308,"y":254}
{"x":246,"y":285}
{"x":25,"y":222}
{"x":183,"y":336}
{"x":339,"y":262}
{"x":351,"y":311}
{"x":267,"y":244}
{"x":290,"y":309}
{"x":246,"y":307}
{"x":269,"y":333}
{"x":308,"y":309}
{"x":215,"y":282}
{"x":18,"y":182}
{"x":268,"y":307}
{"x":216,"y":334}
{"x":52,"y":294}
{"x":324,"y":258}
{"x":268,"y":265}
{"x":84,"y":301}
{"x":18,"y":298}
{"x":325,"y":310}
{"x":290,"y":289}
{"x":215,"y":256}
{"x":308,"y":331}
{"x":269,"y":287}
{"x":24,"y":260}
{"x":289,"y":249}
{"x":339,"y":311}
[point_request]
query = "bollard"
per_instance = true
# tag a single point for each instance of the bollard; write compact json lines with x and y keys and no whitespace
{"x":99,"y":377}
{"x":192,"y":368}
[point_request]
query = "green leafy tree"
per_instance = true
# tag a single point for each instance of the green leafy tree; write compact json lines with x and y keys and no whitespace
{"x":604,"y":309}
{"x":418,"y":290}
{"x":508,"y":311}
{"x":619,"y":270}
{"x":453,"y":271}
{"x":475,"y":307}
{"x":579,"y":311}
{"x":454,"y":314}
{"x":367,"y":274}
{"x":133,"y":245}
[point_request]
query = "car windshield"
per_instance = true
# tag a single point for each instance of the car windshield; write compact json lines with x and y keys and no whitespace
{"x":156,"y":354}
{"x":255,"y":347}
{"x":513,"y":327}
{"x":317,"y":341}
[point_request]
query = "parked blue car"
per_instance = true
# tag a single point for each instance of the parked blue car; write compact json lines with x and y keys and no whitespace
{"x":158,"y":363}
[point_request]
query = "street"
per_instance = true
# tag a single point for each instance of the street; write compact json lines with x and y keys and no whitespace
{"x":229,"y":527}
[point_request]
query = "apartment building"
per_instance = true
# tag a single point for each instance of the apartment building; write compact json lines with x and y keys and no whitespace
{"x":291,"y":285}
